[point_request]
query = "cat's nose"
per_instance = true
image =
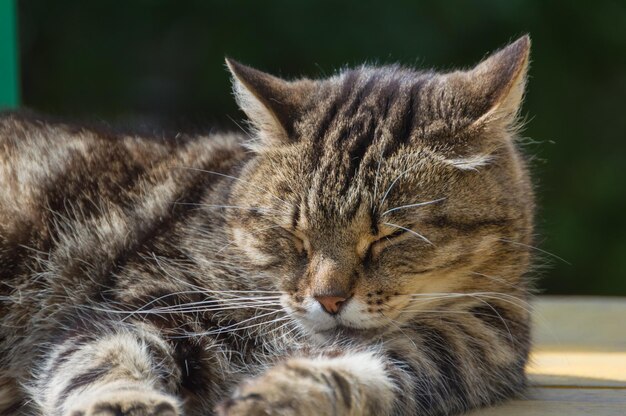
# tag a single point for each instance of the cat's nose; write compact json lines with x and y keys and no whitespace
{"x":331,"y":304}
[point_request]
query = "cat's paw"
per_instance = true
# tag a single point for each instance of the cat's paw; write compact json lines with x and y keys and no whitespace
{"x":294,"y":388}
{"x":118,"y":402}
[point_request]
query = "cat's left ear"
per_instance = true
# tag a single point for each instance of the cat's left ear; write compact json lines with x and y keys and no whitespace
{"x":495,"y":87}
{"x":273,"y":105}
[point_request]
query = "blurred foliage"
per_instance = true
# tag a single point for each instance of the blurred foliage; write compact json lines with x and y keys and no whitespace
{"x":160,"y":62}
{"x":9,"y":91}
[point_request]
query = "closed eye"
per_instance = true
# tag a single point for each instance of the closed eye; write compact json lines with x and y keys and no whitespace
{"x":397,"y":233}
{"x":411,"y":231}
{"x":300,"y":241}
{"x":382,"y":241}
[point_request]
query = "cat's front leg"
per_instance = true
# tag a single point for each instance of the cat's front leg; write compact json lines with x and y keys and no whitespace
{"x":350,"y":384}
{"x":127,"y":371}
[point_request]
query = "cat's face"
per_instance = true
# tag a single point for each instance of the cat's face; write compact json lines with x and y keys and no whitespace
{"x":378,"y":190}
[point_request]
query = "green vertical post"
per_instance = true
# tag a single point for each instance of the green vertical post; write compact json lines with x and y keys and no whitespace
{"x":9,"y":75}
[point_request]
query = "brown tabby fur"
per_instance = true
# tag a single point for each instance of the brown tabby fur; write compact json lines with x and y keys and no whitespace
{"x":170,"y":276}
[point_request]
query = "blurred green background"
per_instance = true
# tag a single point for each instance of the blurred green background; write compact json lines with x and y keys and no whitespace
{"x":159,"y":64}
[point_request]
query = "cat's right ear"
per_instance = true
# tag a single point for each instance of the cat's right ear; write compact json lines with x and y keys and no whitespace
{"x":273,"y":105}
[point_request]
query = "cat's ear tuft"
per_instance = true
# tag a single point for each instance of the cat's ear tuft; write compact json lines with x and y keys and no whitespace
{"x":273,"y":105}
{"x":498,"y":82}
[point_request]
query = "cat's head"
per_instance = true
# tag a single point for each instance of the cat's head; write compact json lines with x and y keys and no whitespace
{"x":376,"y":190}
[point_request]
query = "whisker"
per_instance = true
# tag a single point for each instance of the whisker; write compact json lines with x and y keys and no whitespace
{"x":244,"y":291}
{"x":253,"y":232}
{"x":296,"y":328}
{"x":141,"y":308}
{"x":257,"y":209}
{"x":281,"y":327}
{"x":184,"y":282}
{"x":393,"y":184}
{"x":219,"y":304}
{"x":490,"y":306}
{"x":514,"y":300}
{"x":479,"y":297}
{"x":237,"y":299}
{"x":159,"y":311}
{"x":235,"y":327}
{"x":506,"y":240}
{"x":232,"y":295}
{"x":183,"y":306}
{"x":419,"y":204}
{"x":239,"y":180}
{"x":497,"y":279}
{"x":380,"y":158}
{"x":434,"y":311}
{"x":207,"y":309}
{"x":205,"y":291}
{"x":264,"y":323}
{"x":459,"y":294}
{"x":391,"y":321}
{"x":240,"y":127}
{"x":410,"y":231}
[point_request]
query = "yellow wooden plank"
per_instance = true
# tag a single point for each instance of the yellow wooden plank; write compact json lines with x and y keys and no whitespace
{"x":579,"y":324}
{"x":563,"y":402}
{"x":578,"y":369}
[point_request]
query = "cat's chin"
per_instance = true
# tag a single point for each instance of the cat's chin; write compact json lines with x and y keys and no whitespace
{"x":341,"y":332}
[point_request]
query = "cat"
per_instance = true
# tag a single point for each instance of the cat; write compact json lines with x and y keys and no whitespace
{"x":363,"y":251}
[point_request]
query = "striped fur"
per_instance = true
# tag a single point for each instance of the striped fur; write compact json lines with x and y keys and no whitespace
{"x":183,"y":275}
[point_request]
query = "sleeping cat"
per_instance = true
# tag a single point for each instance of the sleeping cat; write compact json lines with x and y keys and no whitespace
{"x":363,"y":252}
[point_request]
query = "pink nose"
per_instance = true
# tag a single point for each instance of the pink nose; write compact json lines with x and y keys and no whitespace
{"x":331,"y":304}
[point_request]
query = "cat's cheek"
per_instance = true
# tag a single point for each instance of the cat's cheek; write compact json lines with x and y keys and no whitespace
{"x":250,"y":246}
{"x":291,"y":307}
{"x":276,"y":254}
{"x":356,"y":315}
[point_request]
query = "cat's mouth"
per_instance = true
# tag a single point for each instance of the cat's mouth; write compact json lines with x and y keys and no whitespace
{"x":352,"y":322}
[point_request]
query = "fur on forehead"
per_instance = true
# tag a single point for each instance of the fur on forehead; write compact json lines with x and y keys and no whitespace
{"x":465,"y":115}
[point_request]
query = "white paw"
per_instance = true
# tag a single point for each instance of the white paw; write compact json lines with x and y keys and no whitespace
{"x":122,"y":402}
{"x":291,"y":389}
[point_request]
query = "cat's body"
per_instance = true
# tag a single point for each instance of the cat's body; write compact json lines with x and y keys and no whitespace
{"x":367,"y":257}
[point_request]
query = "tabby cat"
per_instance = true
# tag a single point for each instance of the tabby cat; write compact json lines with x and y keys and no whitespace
{"x":362,"y":252}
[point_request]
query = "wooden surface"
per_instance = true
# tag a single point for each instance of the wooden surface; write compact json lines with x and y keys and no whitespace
{"x":578,"y":362}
